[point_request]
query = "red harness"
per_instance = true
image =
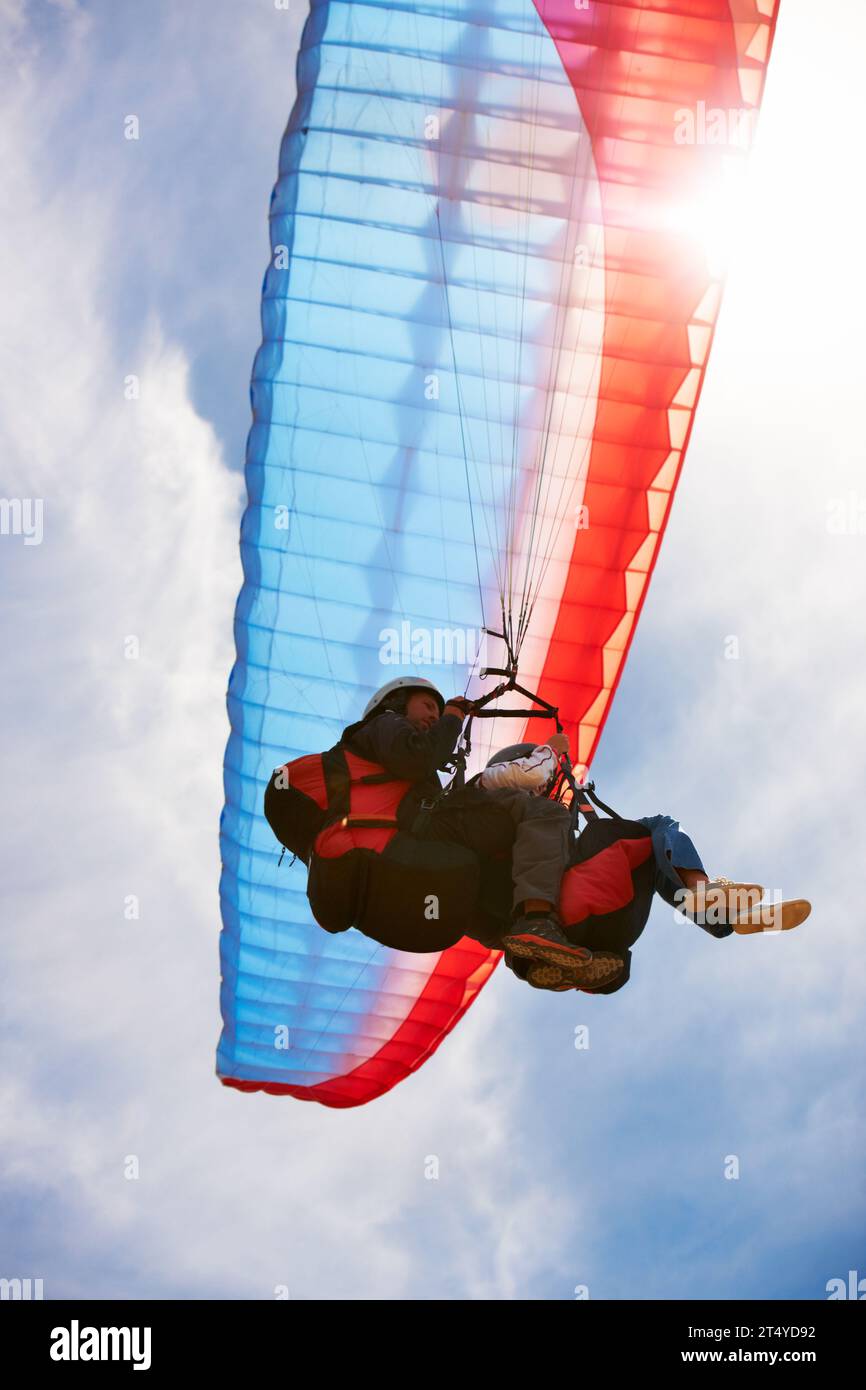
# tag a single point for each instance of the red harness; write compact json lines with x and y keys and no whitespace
{"x":334,"y":802}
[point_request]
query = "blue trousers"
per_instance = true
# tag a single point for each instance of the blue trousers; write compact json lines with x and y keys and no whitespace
{"x":671,"y":845}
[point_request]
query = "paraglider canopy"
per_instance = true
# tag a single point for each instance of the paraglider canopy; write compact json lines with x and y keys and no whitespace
{"x":480,"y":364}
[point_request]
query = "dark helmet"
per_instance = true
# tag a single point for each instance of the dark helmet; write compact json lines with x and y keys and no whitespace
{"x":514,"y":750}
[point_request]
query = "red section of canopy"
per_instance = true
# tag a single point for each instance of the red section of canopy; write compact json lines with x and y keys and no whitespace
{"x":635,"y":68}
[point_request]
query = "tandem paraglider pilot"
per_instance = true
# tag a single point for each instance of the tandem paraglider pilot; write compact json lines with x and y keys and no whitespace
{"x":416,"y":867}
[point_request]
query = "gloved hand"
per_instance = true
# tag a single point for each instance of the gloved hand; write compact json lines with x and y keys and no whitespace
{"x":459,"y":705}
{"x":559,"y":744}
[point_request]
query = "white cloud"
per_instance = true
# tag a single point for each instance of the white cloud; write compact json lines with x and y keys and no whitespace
{"x":116,"y":790}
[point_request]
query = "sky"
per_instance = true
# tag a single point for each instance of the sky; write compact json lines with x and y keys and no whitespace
{"x":126,"y":1170}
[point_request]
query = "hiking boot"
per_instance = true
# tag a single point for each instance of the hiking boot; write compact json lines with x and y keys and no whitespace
{"x":541,"y":941}
{"x":547,"y":977}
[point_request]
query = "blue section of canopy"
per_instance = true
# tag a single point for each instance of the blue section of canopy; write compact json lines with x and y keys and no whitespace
{"x":359,"y":458}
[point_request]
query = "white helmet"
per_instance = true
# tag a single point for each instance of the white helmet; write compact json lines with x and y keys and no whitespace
{"x":403,"y":683}
{"x":522,"y":750}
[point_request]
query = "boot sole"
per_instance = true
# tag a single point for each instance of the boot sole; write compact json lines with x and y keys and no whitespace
{"x":578,"y":966}
{"x":773,"y":917}
{"x":546,"y":977}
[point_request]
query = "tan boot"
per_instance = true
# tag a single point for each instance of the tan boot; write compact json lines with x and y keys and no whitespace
{"x":720,"y":901}
{"x":773,"y":917}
